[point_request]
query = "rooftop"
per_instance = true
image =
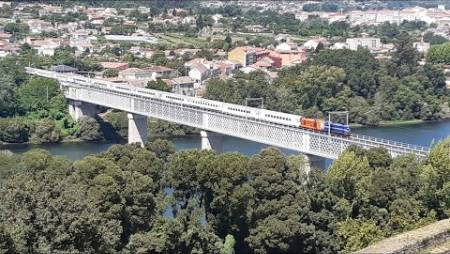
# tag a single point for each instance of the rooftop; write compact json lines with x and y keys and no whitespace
{"x":158,"y":69}
{"x":112,"y":65}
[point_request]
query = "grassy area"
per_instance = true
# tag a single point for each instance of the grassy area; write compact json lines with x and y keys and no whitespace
{"x":174,"y":39}
{"x":390,"y":123}
{"x":401,"y":122}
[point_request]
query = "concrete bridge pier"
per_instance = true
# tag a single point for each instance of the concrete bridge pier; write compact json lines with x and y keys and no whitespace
{"x":137,"y":129}
{"x":316,"y":161}
{"x":78,"y":109}
{"x":212,"y":141}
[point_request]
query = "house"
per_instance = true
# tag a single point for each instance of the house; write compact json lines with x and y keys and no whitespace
{"x":339,"y":45}
{"x":47,"y":50}
{"x":109,"y":12}
{"x":247,"y":55}
{"x":198,"y":72}
{"x":143,"y":9}
{"x":182,"y":85}
{"x":135,"y":74}
{"x":70,"y":27}
{"x":286,"y":47}
{"x":45,"y":47}
{"x":161,"y":72}
{"x":81,"y":40}
{"x":227,"y":67}
{"x":4,"y":4}
{"x":264,"y":63}
{"x":40,"y":26}
{"x":7,"y":48}
{"x":147,"y":52}
{"x":255,"y":28}
{"x":47,"y":9}
{"x":5,"y":36}
{"x":97,"y":22}
{"x":313,"y":44}
{"x":288,"y":58}
{"x":282,"y":38}
{"x":114,"y":66}
{"x":189,"y":20}
{"x":216,"y":18}
{"x":421,"y":47}
{"x":208,"y":69}
{"x":82,"y":46}
{"x":370,"y":43}
{"x":194,"y":61}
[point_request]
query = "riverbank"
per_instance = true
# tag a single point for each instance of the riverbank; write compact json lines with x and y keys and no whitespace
{"x":394,"y":123}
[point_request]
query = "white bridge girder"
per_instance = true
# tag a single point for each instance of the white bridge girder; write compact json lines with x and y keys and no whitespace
{"x":304,"y":141}
{"x":281,"y":136}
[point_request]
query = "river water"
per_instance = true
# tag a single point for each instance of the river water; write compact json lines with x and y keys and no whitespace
{"x":419,"y":134}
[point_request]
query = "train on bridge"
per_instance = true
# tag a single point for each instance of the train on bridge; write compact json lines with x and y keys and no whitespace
{"x":288,"y":131}
{"x":252,"y":113}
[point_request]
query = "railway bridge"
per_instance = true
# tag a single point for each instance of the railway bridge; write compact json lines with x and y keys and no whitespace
{"x":83,"y":94}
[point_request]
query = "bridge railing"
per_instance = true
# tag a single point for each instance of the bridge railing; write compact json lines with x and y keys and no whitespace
{"x":388,"y":142}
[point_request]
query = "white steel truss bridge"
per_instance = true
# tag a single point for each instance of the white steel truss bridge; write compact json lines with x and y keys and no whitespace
{"x":80,"y":90}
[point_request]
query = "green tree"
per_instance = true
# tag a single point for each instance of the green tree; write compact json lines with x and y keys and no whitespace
{"x":345,"y":173}
{"x":119,"y":122}
{"x":13,"y":130}
{"x":43,"y":131}
{"x":433,"y":39}
{"x":17,"y":28}
{"x":280,"y":221}
{"x":36,"y":94}
{"x":357,"y":233}
{"x":162,"y":148}
{"x":6,"y":242}
{"x":110,"y":73}
{"x":228,"y":246}
{"x":159,"y":85}
{"x":7,"y":96}
{"x":88,"y":129}
{"x":439,"y":54}
{"x":435,"y":175}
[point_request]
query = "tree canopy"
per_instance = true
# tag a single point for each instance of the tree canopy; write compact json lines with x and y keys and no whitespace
{"x":156,"y":200}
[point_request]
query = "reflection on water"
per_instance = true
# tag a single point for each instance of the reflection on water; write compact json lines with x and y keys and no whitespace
{"x":418,"y":134}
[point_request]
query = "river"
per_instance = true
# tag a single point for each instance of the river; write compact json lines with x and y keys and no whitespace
{"x":420,"y":134}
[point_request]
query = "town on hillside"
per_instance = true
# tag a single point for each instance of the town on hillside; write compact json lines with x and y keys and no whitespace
{"x":185,"y":48}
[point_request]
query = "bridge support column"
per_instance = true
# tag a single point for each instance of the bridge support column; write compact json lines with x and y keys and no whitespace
{"x":137,"y":129}
{"x":316,"y":161}
{"x":212,"y":141}
{"x":78,"y":109}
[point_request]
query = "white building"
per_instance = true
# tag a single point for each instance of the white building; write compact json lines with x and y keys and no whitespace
{"x":198,"y":72}
{"x":47,"y":50}
{"x":40,"y":26}
{"x":286,"y":47}
{"x":422,"y":47}
{"x":371,"y":43}
{"x":136,"y":74}
{"x":183,"y":85}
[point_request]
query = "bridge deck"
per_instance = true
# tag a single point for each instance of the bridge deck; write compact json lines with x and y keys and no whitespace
{"x":309,"y":142}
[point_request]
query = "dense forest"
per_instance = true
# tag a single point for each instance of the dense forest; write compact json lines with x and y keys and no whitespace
{"x":371,"y":89}
{"x":155,"y":200}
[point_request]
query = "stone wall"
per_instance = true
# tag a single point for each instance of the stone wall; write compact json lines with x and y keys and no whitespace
{"x":413,"y":241}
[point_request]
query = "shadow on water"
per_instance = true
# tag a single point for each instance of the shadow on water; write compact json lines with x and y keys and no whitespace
{"x":419,"y":134}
